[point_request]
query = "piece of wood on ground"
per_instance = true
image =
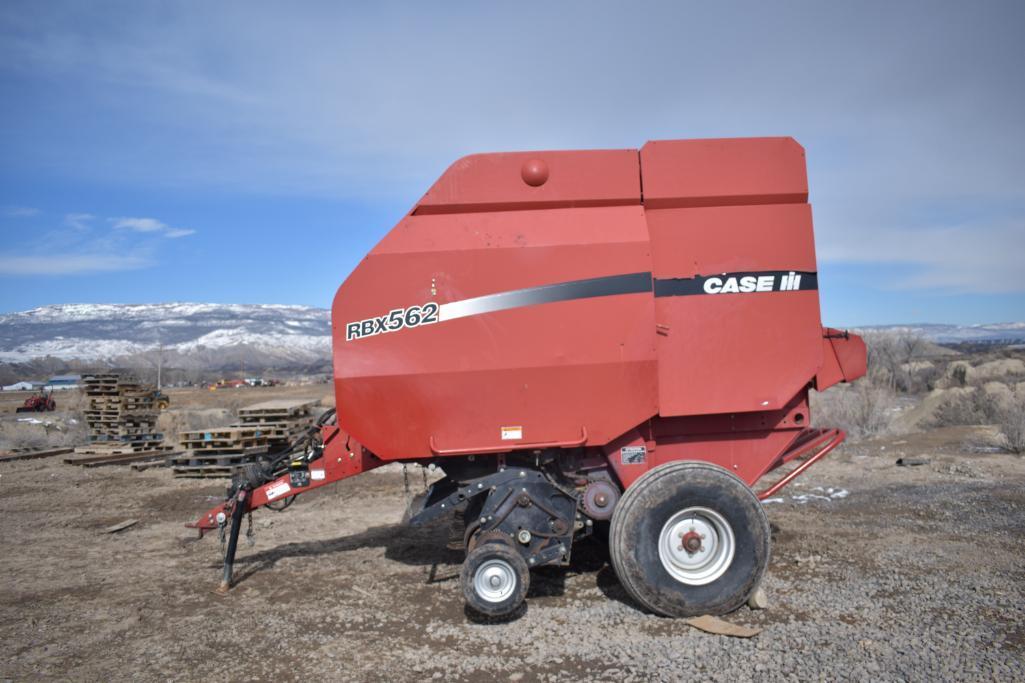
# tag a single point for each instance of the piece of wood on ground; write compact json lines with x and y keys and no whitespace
{"x":140,"y":466}
{"x":120,"y":526}
{"x":30,"y":455}
{"x":721,"y":627}
{"x":118,"y":459}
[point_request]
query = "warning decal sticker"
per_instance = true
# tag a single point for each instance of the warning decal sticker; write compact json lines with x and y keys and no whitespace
{"x":632,"y":455}
{"x":278,"y":490}
{"x":512,"y":433}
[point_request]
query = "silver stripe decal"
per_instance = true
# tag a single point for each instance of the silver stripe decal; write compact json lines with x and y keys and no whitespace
{"x":631,"y":283}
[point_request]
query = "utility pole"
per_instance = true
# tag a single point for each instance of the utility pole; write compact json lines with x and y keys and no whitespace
{"x":160,"y":365}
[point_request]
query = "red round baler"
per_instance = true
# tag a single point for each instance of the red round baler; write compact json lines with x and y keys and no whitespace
{"x":613,"y":342}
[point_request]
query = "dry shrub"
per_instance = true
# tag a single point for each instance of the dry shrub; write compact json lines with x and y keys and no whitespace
{"x":863,"y":409}
{"x":966,"y":407}
{"x":1010,"y":425}
{"x":979,"y":407}
{"x":51,"y":433}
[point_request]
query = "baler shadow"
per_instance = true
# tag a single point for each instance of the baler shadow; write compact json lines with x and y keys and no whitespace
{"x":593,"y":556}
{"x":610,"y":587}
{"x":424,"y":546}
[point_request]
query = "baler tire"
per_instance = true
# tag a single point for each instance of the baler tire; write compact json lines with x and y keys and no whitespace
{"x":642,"y":518}
{"x":508,"y":557}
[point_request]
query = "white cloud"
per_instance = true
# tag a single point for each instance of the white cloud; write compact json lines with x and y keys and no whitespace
{"x":130,"y":243}
{"x":139,"y":224}
{"x":150,"y":225}
{"x":21,"y":211}
{"x":983,"y":257}
{"x":70,"y":264}
{"x":78,"y":221}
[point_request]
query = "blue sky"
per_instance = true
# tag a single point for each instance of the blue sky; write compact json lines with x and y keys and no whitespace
{"x":253,"y":152}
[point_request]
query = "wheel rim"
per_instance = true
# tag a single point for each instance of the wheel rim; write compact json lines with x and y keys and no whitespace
{"x":494,"y":581}
{"x":696,"y":546}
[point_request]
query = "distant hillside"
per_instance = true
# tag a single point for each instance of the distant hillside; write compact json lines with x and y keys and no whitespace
{"x":229,"y":336}
{"x":199,"y":336}
{"x":995,"y":333}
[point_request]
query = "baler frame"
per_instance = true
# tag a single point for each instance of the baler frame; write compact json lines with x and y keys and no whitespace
{"x":340,"y":459}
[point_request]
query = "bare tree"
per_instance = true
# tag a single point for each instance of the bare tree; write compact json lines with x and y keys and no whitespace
{"x":891,"y":358}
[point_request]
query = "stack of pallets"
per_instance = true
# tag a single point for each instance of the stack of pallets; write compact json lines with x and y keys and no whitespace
{"x":122,"y":416}
{"x":266,"y":427}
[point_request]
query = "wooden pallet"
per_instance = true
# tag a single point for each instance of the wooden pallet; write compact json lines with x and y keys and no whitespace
{"x":119,"y":459}
{"x":262,"y":428}
{"x":224,"y":446}
{"x":239,"y":436}
{"x":125,"y":439}
{"x":221,"y":433}
{"x":106,"y":417}
{"x":128,"y":449}
{"x":236,"y":457}
{"x":280,"y":409}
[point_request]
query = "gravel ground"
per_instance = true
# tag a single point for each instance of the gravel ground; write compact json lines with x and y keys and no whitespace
{"x":913,"y":574}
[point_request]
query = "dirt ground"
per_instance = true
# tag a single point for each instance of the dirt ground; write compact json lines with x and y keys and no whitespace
{"x":915,"y":573}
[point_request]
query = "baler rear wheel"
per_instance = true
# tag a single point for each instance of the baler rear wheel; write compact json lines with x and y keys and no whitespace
{"x":689,"y":538}
{"x":495,"y":579}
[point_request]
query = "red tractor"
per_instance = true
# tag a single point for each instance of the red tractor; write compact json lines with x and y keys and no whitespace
{"x":38,"y":403}
{"x":612,"y":342}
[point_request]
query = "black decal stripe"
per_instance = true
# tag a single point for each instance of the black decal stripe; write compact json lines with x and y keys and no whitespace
{"x":630,"y":283}
{"x":696,"y":285}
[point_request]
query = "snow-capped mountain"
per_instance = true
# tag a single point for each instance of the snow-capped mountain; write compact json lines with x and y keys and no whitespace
{"x":196,"y":335}
{"x":1005,"y":333}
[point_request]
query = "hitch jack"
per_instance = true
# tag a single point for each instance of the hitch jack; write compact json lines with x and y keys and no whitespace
{"x":237,"y":511}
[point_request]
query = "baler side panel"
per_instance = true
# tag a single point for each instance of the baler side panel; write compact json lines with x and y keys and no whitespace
{"x":845,"y":358}
{"x":851,"y":354}
{"x":721,"y":350}
{"x":552,"y":370}
{"x":723,"y":172}
{"x":830,"y":373}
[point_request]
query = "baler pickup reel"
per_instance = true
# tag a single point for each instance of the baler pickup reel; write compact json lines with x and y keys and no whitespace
{"x":513,"y":503}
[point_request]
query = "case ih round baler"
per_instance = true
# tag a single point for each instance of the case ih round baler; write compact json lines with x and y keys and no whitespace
{"x":586,"y":342}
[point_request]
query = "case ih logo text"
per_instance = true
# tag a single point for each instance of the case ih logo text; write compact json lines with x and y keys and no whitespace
{"x":395,"y":320}
{"x":736,"y":284}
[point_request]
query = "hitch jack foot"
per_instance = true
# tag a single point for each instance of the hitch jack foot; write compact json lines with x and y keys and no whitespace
{"x":237,"y":511}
